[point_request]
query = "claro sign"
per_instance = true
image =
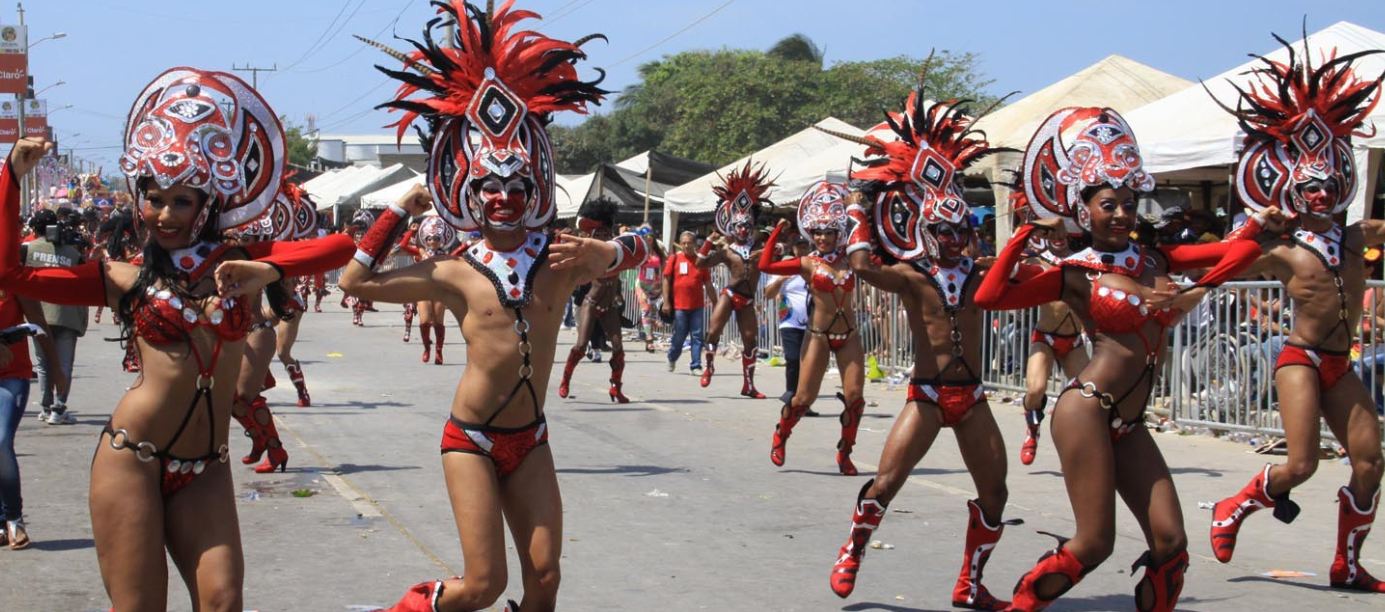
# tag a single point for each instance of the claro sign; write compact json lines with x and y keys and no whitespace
{"x":14,"y":57}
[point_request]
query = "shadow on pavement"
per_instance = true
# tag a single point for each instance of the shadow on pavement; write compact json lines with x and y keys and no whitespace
{"x":825,"y":473}
{"x":1312,"y":586}
{"x":865,"y":606}
{"x":1198,"y":470}
{"x":59,"y":545}
{"x":351,"y":468}
{"x":627,"y":470}
{"x":621,"y":409}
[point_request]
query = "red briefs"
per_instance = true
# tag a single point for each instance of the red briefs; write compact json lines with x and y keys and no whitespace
{"x":1331,"y":365}
{"x":506,"y":447}
{"x":1062,"y":344}
{"x":954,"y":400}
{"x":738,"y":301}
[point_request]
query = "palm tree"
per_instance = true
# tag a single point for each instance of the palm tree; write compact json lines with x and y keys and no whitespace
{"x":798,"y":48}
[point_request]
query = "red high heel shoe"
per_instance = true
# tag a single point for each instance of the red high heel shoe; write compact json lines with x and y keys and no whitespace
{"x":295,"y":370}
{"x":278,"y":458}
{"x":252,"y":431}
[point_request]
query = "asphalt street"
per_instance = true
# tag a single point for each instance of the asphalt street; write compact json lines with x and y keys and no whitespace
{"x":670,"y":502}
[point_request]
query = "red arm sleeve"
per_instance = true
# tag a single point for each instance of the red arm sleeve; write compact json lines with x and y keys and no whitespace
{"x":768,"y":265}
{"x":83,"y":285}
{"x":304,"y":257}
{"x":1024,"y":271}
{"x":998,"y":293}
{"x":1227,"y":259}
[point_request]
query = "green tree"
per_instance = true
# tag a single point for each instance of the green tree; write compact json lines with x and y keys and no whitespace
{"x":798,"y":48}
{"x":302,"y":149}
{"x":718,"y":105}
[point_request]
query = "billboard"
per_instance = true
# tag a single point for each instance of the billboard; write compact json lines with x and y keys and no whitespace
{"x":14,"y":57}
{"x":35,"y":118}
{"x":9,"y":121}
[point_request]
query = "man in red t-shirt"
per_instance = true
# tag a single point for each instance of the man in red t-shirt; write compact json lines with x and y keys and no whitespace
{"x":688,"y":290}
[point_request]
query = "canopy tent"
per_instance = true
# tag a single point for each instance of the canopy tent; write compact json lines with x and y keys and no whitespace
{"x":1187,"y":136}
{"x":343,"y":195}
{"x":626,"y":182}
{"x":795,"y":162}
{"x":324,"y":183}
{"x":381,"y":198}
{"x":1114,"y":82}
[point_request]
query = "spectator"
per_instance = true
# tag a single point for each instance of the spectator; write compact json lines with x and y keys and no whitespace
{"x":55,"y":246}
{"x":1202,"y":227}
{"x":791,"y":296}
{"x":1171,"y":226}
{"x":649,"y":288}
{"x":687,"y":290}
{"x":15,"y":370}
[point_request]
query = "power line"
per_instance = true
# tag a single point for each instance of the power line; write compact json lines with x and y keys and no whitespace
{"x":559,"y":15}
{"x":359,"y":49}
{"x":327,"y":32}
{"x":671,"y":36}
{"x":358,"y":99}
{"x":254,"y":73}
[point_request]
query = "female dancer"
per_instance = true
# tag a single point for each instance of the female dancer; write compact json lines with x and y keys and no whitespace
{"x":602,"y":304}
{"x":1084,"y":164}
{"x":739,"y":199}
{"x":159,"y":477}
{"x":407,"y":245}
{"x":485,"y":100}
{"x":650,"y":289}
{"x":923,"y":226}
{"x":1057,"y":337}
{"x":434,"y":238}
{"x":822,"y":219}
{"x":305,"y":226}
{"x":1298,"y":156}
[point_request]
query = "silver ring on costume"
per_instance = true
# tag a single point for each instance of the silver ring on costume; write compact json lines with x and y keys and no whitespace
{"x":207,"y":378}
{"x":224,"y":453}
{"x":525,"y":371}
{"x":144,"y":451}
{"x":521,"y":326}
{"x":1089,"y":391}
{"x":120,"y":433}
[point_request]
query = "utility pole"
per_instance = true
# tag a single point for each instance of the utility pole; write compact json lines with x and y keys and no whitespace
{"x":20,"y":99}
{"x":255,"y":73}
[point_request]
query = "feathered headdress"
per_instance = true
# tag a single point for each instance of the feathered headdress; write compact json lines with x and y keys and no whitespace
{"x":1298,"y":121}
{"x":823,"y":208}
{"x":914,"y":165}
{"x":486,"y":100}
{"x":739,"y":198}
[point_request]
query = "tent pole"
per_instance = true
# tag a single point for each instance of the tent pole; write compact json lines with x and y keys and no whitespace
{"x":648,"y":177}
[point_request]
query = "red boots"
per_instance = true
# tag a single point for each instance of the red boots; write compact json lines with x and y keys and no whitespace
{"x":574,"y":357}
{"x":617,"y":372}
{"x":748,"y":376}
{"x":969,"y":593}
{"x":1229,"y":513}
{"x":789,"y":416}
{"x":439,"y":338}
{"x":295,"y":370}
{"x":259,"y":427}
{"x":424,"y":597}
{"x":425,"y":330}
{"x":1032,"y":420}
{"x":851,"y":420}
{"x":408,"y":321}
{"x":1158,"y":590}
{"x":707,"y":357}
{"x":1353,"y":524}
{"x":865,"y":519}
{"x":1058,"y":570}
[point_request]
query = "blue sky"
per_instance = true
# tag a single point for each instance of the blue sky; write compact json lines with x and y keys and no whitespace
{"x":114,"y":47}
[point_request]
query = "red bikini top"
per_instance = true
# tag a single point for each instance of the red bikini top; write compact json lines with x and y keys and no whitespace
{"x":165,"y":318}
{"x":1118,"y":312}
{"x":825,"y":277}
{"x":1113,"y":310}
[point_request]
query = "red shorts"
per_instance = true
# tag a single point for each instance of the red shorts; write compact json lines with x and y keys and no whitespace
{"x":1331,"y":365}
{"x":1061,"y":344}
{"x":738,"y":301}
{"x":506,"y":447}
{"x":953,"y":400}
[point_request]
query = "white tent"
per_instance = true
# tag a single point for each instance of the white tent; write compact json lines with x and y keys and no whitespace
{"x":1186,"y":135}
{"x":570,"y":192}
{"x":391,"y":194}
{"x":780,"y":159}
{"x":1114,"y":82}
{"x":322,"y":185}
{"x":795,"y":163}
